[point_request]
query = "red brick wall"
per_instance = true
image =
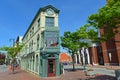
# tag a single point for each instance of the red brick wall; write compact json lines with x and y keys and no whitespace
{"x":117,"y":44}
{"x":110,"y":46}
{"x":64,"y":57}
{"x":93,"y":55}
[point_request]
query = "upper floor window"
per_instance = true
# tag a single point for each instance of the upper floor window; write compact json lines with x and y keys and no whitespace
{"x":52,"y":42}
{"x":26,"y":38}
{"x":49,"y":22}
{"x":38,"y":22}
{"x":32,"y":45}
{"x":29,"y":47}
{"x":38,"y":42}
{"x":30,"y":33}
{"x":32,"y":30}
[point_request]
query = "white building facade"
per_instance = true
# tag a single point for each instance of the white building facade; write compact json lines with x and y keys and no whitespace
{"x":40,"y":55}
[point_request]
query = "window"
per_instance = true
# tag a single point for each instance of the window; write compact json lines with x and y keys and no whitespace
{"x":26,"y":48}
{"x":52,"y":41}
{"x":30,"y":33}
{"x":32,"y":45}
{"x":38,"y":42}
{"x":32,"y":30}
{"x":29,"y":47}
{"x":26,"y":38}
{"x":38,"y":22}
{"x":49,"y":22}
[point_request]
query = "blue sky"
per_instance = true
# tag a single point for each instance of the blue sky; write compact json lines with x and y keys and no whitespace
{"x":16,"y":15}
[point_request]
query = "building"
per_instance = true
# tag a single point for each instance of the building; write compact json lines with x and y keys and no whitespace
{"x":96,"y":54}
{"x":40,"y":55}
{"x":89,"y":56}
{"x":106,"y":53}
{"x":65,"y":57}
{"x":111,"y":48}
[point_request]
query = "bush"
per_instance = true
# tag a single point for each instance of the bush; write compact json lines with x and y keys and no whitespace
{"x":2,"y":61}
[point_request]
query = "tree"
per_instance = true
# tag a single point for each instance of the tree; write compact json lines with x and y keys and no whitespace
{"x":12,"y":51}
{"x":73,"y":41}
{"x":87,"y":36}
{"x":107,"y":17}
{"x":69,"y":42}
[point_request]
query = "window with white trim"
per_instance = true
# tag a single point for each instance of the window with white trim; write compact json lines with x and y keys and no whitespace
{"x":49,"y":22}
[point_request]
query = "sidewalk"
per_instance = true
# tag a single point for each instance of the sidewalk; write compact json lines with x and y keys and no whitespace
{"x":68,"y":75}
{"x":17,"y":75}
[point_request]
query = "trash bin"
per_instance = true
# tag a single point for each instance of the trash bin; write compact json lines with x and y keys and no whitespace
{"x":117,"y":74}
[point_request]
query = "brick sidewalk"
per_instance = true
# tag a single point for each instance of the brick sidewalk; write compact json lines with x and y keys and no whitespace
{"x":68,"y":75}
{"x":17,"y":75}
{"x":23,"y":75}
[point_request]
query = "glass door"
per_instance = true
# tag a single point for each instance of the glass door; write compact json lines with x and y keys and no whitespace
{"x":51,"y":67}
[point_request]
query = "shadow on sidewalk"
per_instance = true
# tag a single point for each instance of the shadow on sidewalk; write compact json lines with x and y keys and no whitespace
{"x":101,"y":77}
{"x":71,"y":70}
{"x":16,"y":72}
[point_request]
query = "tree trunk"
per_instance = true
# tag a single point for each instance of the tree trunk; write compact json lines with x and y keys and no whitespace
{"x":73,"y":62}
{"x":13,"y":68}
{"x":13,"y":63}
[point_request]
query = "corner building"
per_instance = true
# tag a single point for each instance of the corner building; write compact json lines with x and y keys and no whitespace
{"x":40,"y":54}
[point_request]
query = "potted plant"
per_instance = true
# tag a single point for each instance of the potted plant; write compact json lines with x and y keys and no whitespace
{"x":90,"y":72}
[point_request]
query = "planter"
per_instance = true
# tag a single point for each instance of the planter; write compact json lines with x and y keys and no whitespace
{"x":90,"y":72}
{"x":117,"y":74}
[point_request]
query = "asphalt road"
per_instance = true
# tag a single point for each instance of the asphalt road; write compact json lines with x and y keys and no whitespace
{"x":3,"y":68}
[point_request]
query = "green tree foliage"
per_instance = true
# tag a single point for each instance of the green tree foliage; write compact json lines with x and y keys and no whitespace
{"x":107,"y":16}
{"x":73,"y":41}
{"x":12,"y":52}
{"x":69,"y":42}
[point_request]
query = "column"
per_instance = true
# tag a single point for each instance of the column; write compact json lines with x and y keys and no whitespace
{"x":44,"y":73}
{"x":57,"y":66}
{"x":75,"y":56}
{"x":88,"y":57}
{"x":83,"y":57}
{"x":79,"y":58}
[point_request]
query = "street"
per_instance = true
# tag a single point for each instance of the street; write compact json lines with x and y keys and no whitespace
{"x":3,"y":68}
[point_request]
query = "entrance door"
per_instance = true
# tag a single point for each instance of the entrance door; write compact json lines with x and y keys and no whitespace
{"x":51,"y":67}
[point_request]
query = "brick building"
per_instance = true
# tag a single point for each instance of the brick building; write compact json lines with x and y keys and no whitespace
{"x":65,"y":57}
{"x":111,"y":49}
